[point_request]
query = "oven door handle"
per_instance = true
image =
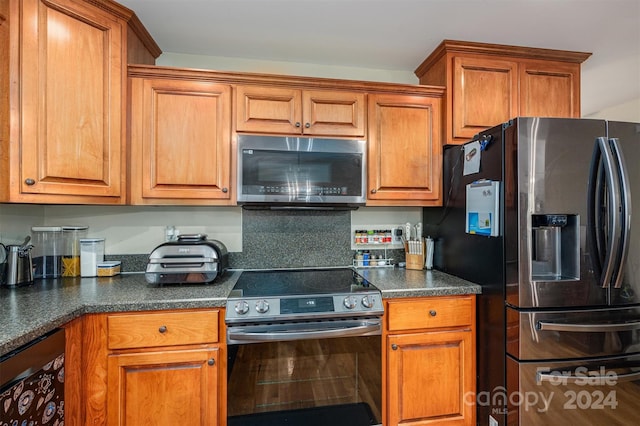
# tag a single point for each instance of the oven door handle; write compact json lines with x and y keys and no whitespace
{"x":315,"y":331}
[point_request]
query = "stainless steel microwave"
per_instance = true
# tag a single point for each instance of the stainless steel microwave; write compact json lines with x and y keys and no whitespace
{"x":301,"y":172}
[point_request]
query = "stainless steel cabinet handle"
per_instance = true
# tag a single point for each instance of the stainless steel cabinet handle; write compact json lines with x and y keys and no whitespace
{"x":29,"y":181}
{"x":394,"y":347}
{"x":211,"y":361}
{"x":163,"y":329}
{"x":433,"y":313}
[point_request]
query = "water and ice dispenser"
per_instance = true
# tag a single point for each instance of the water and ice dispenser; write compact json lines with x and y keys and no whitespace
{"x":555,"y":247}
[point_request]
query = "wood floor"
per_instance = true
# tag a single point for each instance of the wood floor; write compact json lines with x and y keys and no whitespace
{"x":304,"y":374}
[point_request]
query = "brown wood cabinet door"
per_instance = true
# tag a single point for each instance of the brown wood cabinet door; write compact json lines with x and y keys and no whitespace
{"x":333,"y":113}
{"x":549,"y":89}
{"x":180,"y":142}
{"x":405,"y":152}
{"x":485,"y":93}
{"x":268,"y":110}
{"x":428,"y":376}
{"x":163,"y":388}
{"x":67,"y":129}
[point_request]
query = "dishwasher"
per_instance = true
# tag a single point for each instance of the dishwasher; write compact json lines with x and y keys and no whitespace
{"x":32,"y":382}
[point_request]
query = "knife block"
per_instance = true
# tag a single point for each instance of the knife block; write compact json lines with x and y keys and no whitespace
{"x":414,"y":261}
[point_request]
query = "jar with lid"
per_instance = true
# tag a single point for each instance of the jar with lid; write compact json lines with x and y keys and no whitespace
{"x":71,"y":254}
{"x":47,"y":251}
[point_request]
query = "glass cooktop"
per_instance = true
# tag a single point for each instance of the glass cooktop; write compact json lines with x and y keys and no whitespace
{"x":288,"y":282}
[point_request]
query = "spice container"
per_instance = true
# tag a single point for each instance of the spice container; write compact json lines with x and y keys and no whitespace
{"x":47,"y":251}
{"x":91,"y":253}
{"x":71,"y":254}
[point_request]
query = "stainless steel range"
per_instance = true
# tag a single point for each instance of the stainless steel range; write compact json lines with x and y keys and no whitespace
{"x":304,"y":346}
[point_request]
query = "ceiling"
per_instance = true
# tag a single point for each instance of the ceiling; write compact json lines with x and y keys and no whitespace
{"x":398,"y":35}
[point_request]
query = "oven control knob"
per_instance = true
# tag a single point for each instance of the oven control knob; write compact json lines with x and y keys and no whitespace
{"x":368,"y":301}
{"x":241,"y":307}
{"x":350,"y":302}
{"x":262,"y":306}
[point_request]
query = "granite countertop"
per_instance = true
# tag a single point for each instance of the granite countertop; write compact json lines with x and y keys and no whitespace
{"x":29,"y":312}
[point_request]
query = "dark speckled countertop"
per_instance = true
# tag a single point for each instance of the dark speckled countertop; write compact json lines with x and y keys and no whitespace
{"x":28,"y":312}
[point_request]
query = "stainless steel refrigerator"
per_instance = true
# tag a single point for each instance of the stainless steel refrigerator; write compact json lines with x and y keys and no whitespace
{"x":539,"y":212}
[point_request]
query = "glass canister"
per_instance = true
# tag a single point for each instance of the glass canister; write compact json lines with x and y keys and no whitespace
{"x":47,"y":251}
{"x":71,"y":255}
{"x":91,"y":253}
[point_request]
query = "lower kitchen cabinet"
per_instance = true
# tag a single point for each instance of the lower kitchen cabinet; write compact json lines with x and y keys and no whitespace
{"x":163,"y":388}
{"x":155,"y":368}
{"x":430,"y":361}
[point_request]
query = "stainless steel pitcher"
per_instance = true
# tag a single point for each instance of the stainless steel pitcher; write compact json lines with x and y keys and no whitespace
{"x":18,"y":268}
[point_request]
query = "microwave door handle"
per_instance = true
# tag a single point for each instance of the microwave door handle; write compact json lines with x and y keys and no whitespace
{"x":614,"y":206}
{"x":625,"y":196}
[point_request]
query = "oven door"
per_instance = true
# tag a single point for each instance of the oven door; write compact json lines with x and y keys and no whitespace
{"x":302,"y":374}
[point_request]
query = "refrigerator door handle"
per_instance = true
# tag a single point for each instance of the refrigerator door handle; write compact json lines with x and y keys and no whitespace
{"x":588,"y":377}
{"x":586,"y":327}
{"x":625,"y":196}
{"x":614,"y":207}
{"x":595,"y":230}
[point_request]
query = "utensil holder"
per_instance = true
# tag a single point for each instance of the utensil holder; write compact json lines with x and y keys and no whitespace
{"x":414,"y":261}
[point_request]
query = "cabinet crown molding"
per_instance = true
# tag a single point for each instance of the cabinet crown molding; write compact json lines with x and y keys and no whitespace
{"x":470,"y":47}
{"x":276,"y":80}
{"x":132,"y":20}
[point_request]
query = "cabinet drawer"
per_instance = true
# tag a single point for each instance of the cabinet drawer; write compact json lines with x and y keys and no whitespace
{"x":126,"y":331}
{"x":435,"y":312}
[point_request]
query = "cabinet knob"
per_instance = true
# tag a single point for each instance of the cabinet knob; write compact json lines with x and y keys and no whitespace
{"x":373,"y":191}
{"x":432,"y":313}
{"x":225,"y":190}
{"x":163,"y":329}
{"x":394,"y":347}
{"x":29,"y":181}
{"x":297,"y":124}
{"x":307,"y":125}
{"x":211,"y":362}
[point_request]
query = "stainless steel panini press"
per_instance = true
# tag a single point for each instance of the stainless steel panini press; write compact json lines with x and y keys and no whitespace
{"x":190,"y":259}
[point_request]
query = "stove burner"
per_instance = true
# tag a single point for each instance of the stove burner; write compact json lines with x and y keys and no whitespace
{"x":269,"y":296}
{"x":300,"y":282}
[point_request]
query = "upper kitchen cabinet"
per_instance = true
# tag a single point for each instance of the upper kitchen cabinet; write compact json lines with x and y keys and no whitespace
{"x":288,"y":110}
{"x":488,"y":84}
{"x":404,"y":149}
{"x":180,"y":138}
{"x":67,"y":100}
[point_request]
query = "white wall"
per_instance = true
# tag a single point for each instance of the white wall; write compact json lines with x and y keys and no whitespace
{"x":220,"y":63}
{"x":628,"y":111}
{"x":137,"y":230}
{"x":16,"y":221}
